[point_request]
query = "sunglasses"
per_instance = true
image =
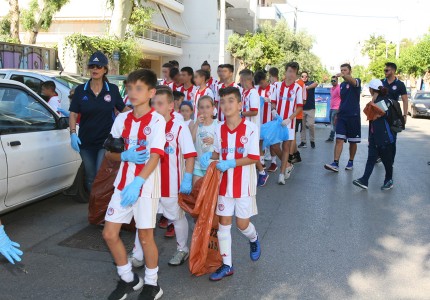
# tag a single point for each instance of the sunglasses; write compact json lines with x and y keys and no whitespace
{"x":95,"y":67}
{"x":334,"y":81}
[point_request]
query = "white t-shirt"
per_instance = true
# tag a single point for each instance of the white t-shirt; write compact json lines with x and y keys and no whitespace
{"x":201,"y":148}
{"x":55,"y":103}
{"x":251,"y":102}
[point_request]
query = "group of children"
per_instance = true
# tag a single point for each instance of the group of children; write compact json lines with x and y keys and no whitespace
{"x":170,"y":137}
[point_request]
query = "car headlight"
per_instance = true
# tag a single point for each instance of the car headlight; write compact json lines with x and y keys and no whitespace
{"x":420,"y":105}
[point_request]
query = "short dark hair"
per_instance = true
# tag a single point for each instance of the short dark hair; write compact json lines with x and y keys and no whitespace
{"x":247,"y":74}
{"x":173,"y":72}
{"x":346,"y":65}
{"x":177,"y":95}
{"x":165,"y":90}
{"x":391,"y":65}
{"x":50,"y":85}
{"x":274,"y":71}
{"x":168,"y":65}
{"x":220,"y":66}
{"x":293,"y":65}
{"x":304,"y":72}
{"x":230,"y":90}
{"x":204,"y":74}
{"x":174,"y":63}
{"x":186,"y":103}
{"x":188,"y":70}
{"x":205,"y":63}
{"x":228,"y":66}
{"x":334,"y":76}
{"x":259,"y":76}
{"x":147,"y":76}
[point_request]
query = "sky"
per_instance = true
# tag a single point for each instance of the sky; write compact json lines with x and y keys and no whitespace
{"x":339,"y":38}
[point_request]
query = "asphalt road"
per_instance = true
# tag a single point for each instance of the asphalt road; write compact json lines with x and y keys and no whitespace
{"x":322,"y":238}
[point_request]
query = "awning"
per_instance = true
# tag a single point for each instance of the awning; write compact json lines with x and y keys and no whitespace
{"x":157,"y":18}
{"x":174,"y":21}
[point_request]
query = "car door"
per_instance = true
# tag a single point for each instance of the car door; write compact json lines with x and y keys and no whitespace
{"x":40,"y":160}
{"x":3,"y":174}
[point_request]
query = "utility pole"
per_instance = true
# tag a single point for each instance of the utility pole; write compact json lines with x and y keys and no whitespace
{"x":222,"y":33}
{"x":295,"y":19}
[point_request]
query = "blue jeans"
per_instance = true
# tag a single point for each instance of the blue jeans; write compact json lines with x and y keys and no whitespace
{"x":333,"y":113}
{"x":92,"y":159}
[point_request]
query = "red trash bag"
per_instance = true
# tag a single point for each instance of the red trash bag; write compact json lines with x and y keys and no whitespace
{"x":201,"y":203}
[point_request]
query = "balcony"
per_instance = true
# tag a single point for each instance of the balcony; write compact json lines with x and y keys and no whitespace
{"x":154,"y":43}
{"x":160,"y":37}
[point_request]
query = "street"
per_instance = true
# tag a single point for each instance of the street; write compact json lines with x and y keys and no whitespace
{"x":321,"y":236}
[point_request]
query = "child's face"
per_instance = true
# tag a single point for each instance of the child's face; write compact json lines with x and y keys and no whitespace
{"x":226,"y":74}
{"x":161,"y":105}
{"x":245,"y":83}
{"x":186,"y":112}
{"x":46,"y":92}
{"x":165,"y":71}
{"x":206,"y":109}
{"x":199,"y":80}
{"x":185,"y":78}
{"x":139,"y":93}
{"x":291,"y":74}
{"x":178,"y":103}
{"x":230,"y":106}
{"x":177,"y":79}
{"x":263,"y":83}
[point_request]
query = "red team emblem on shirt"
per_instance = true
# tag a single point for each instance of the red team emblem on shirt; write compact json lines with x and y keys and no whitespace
{"x":169,"y":137}
{"x":394,"y":87}
{"x":347,"y":86}
{"x":244,"y":140}
{"x":108,"y":98}
{"x":110,"y":211}
{"x":221,"y":207}
{"x":147,"y":130}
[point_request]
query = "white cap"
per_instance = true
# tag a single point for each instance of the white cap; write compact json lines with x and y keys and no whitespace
{"x":375,"y":84}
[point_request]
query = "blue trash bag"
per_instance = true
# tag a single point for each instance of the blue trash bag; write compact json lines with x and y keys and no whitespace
{"x":273,"y":132}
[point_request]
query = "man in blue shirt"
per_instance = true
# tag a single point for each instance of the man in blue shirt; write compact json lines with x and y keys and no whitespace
{"x":348,"y":127}
{"x":308,"y":111}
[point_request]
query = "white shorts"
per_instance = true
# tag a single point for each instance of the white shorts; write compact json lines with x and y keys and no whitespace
{"x":144,"y":211}
{"x":170,"y":208}
{"x":243,"y":208}
{"x":291,"y":134}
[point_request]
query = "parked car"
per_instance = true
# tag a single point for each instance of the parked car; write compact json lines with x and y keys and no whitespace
{"x":365,"y":92}
{"x":34,"y":79}
{"x":419,"y":105}
{"x":36,"y":159}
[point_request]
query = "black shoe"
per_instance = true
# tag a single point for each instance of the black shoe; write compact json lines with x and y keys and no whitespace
{"x":124,"y":288}
{"x":302,"y":145}
{"x":313,"y":145}
{"x":296,"y":158}
{"x":329,"y":140}
{"x":151,"y":292}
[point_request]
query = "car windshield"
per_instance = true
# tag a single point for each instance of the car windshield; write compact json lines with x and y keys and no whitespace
{"x":68,"y":81}
{"x":423,"y":96}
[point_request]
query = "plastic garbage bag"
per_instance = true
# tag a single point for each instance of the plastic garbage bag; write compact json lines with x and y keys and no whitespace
{"x":273,"y":132}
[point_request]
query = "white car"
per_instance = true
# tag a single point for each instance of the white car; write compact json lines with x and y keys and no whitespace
{"x":36,"y":159}
{"x":34,"y":79}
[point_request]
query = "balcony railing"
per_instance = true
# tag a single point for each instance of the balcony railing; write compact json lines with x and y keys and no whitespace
{"x":180,"y":1}
{"x":163,"y":38}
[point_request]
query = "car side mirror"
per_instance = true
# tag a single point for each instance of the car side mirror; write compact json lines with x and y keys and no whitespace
{"x":63,"y":123}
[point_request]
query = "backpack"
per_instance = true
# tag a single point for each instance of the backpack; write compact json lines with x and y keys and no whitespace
{"x":395,"y":117}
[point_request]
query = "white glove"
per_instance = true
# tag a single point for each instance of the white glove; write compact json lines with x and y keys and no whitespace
{"x":286,"y":122}
{"x":274,"y":114}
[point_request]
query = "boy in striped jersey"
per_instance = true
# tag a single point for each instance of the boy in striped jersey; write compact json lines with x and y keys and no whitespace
{"x":137,"y":185}
{"x":236,"y":147}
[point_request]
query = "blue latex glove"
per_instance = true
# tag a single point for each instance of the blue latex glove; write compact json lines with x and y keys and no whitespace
{"x":75,"y":142}
{"x":131,"y":192}
{"x":63,"y":112}
{"x":8,"y":248}
{"x":224,"y":165}
{"x":137,"y":157}
{"x":186,"y":184}
{"x":205,"y":158}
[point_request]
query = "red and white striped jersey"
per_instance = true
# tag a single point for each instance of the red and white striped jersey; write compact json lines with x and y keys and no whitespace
{"x":217,"y":98}
{"x":205,"y":92}
{"x":212,"y":84}
{"x":266,"y":113}
{"x":241,"y":142}
{"x":165,"y":82}
{"x":189,"y":93}
{"x":148,"y":132}
{"x":175,"y":87}
{"x":179,"y":146}
{"x":251,"y":102}
{"x":288,"y":98}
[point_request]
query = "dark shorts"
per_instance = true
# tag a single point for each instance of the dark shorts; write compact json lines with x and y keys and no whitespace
{"x":298,"y":125}
{"x":348,"y":129}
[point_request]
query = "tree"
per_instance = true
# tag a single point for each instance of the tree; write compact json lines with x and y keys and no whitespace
{"x":14,"y":20}
{"x":414,"y":60}
{"x":39,"y":16}
{"x":120,"y":16}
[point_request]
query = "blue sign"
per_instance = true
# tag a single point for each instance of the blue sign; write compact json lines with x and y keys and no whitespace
{"x":322,"y":105}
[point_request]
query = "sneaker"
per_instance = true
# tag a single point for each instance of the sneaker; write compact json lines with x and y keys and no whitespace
{"x":281,"y":179}
{"x":288,"y":171}
{"x":359,"y":183}
{"x":302,"y":145}
{"x":379,"y":160}
{"x":163,"y":222}
{"x":124,"y":288}
{"x":179,"y":258}
{"x":296,"y":158}
{"x":170,"y":232}
{"x":349,"y":166}
{"x":150,"y":292}
{"x":273,"y":167}
{"x":313,"y":145}
{"x":388,"y":185}
{"x":332,"y":167}
{"x":221,"y":272}
{"x":329,"y":140}
{"x":262,"y":179}
{"x":135,"y":262}
{"x":255,"y":250}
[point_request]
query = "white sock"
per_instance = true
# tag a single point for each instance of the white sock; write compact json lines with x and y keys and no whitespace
{"x":274,"y":160}
{"x":250,"y":232}
{"x":224,"y":239}
{"x":151,"y":276}
{"x":125,"y":272}
{"x":181,"y":231}
{"x":137,"y":249}
{"x":262,"y":159}
{"x":262,"y":172}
